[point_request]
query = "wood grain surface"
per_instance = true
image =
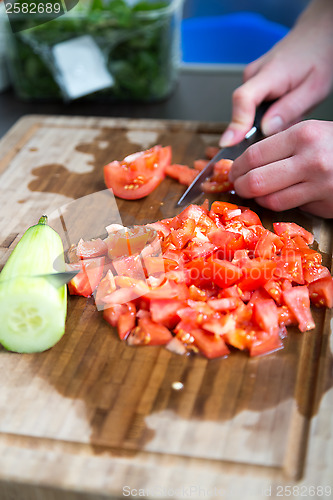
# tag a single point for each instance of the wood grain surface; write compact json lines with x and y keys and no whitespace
{"x":94,"y":418}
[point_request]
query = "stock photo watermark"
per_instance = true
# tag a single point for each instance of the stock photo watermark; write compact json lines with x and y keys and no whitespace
{"x":35,"y":12}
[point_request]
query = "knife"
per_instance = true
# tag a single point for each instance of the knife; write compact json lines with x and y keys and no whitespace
{"x":230,"y":153}
{"x":57,"y":279}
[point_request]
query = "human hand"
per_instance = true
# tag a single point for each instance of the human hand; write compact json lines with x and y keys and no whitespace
{"x":293,"y":168}
{"x":298,"y":72}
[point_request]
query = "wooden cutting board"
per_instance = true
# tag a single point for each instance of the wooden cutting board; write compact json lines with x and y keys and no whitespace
{"x":94,"y":418}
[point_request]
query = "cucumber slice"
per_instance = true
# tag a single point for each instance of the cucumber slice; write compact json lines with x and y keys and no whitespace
{"x":32,"y":311}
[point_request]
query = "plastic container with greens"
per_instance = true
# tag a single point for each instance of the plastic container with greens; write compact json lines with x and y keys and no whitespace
{"x":138,"y":44}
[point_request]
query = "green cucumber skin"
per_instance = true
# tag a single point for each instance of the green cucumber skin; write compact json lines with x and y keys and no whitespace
{"x":35,"y":253}
{"x":32,"y":311}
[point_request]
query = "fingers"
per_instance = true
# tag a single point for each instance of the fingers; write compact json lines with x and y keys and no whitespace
{"x":291,"y":107}
{"x":298,"y":195}
{"x":269,"y":179}
{"x":245,"y":99}
{"x":265,"y":152}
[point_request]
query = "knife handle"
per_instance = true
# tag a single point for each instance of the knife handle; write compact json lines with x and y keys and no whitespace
{"x":261,"y":110}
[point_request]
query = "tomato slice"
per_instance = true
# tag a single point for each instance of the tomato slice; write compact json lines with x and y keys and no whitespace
{"x":138,"y":174}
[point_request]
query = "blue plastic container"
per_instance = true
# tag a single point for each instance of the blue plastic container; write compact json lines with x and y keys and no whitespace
{"x":231,"y":39}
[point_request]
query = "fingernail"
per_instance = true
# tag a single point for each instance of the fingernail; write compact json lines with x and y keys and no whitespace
{"x":275,"y":124}
{"x":226,"y":138}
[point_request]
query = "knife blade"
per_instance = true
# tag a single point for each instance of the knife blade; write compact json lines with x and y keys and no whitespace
{"x":59,"y":279}
{"x":56,"y":279}
{"x":230,"y":153}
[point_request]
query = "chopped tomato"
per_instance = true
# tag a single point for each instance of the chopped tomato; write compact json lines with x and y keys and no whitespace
{"x":219,"y":182}
{"x":85,"y":282}
{"x":314,"y":272}
{"x":227,"y":242}
{"x":165,"y":311}
{"x":249,"y":218}
{"x":200,"y":164}
{"x":91,"y":248}
{"x":149,"y":332}
{"x":182,"y":173}
{"x":138,"y":174}
{"x":212,"y":277}
{"x":106,"y":286}
{"x":211,"y":151}
{"x":291,"y":229}
{"x":182,"y":235}
{"x":256,"y":273}
{"x":224,"y":273}
{"x":122,"y":316}
{"x":268,"y":245}
{"x":264,"y":343}
{"x":265,"y":314}
{"x":298,"y":300}
{"x":212,"y":346}
{"x":321,"y":292}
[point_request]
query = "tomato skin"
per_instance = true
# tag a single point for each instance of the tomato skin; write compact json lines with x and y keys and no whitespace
{"x":137,"y":175}
{"x":249,"y":218}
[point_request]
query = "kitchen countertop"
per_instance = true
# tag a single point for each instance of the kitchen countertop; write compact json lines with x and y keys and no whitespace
{"x":201,"y":94}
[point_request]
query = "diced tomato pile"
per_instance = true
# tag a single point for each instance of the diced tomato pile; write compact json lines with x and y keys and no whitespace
{"x":140,"y":173}
{"x":206,"y":280}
